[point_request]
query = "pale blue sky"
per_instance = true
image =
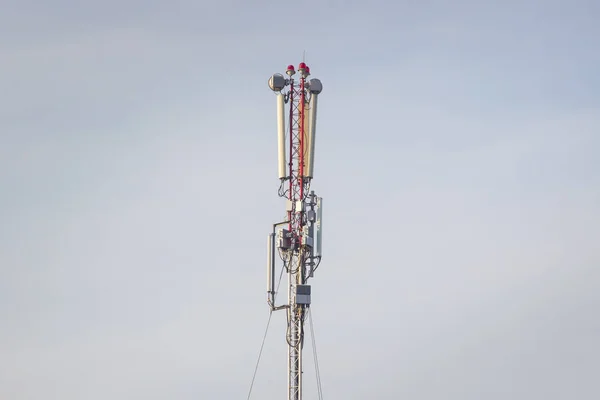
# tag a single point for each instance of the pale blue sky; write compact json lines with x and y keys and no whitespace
{"x":457,"y":153}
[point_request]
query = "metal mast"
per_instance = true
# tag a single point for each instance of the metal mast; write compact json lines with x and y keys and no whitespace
{"x":298,"y":238}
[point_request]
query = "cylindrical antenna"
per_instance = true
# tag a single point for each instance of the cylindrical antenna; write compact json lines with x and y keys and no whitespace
{"x":307,"y":151}
{"x":315,"y":88}
{"x":270,"y":269}
{"x":310,"y":137}
{"x":277,"y":83}
{"x":281,"y":135}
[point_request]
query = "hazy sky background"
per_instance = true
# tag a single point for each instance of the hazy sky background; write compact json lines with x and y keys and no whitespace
{"x":457,"y":152}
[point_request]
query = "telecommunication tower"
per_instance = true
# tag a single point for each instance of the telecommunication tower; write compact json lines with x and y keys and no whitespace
{"x":297,"y":240}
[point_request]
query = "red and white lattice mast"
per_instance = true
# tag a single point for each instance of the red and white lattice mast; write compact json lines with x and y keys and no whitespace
{"x":297,"y":240}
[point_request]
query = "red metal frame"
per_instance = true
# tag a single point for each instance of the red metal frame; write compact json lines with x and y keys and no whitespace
{"x":297,"y":102}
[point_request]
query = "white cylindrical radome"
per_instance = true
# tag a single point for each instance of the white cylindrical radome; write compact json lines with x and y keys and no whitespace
{"x":306,"y":139}
{"x":270,"y":275}
{"x":281,"y":136}
{"x":311,"y":134}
